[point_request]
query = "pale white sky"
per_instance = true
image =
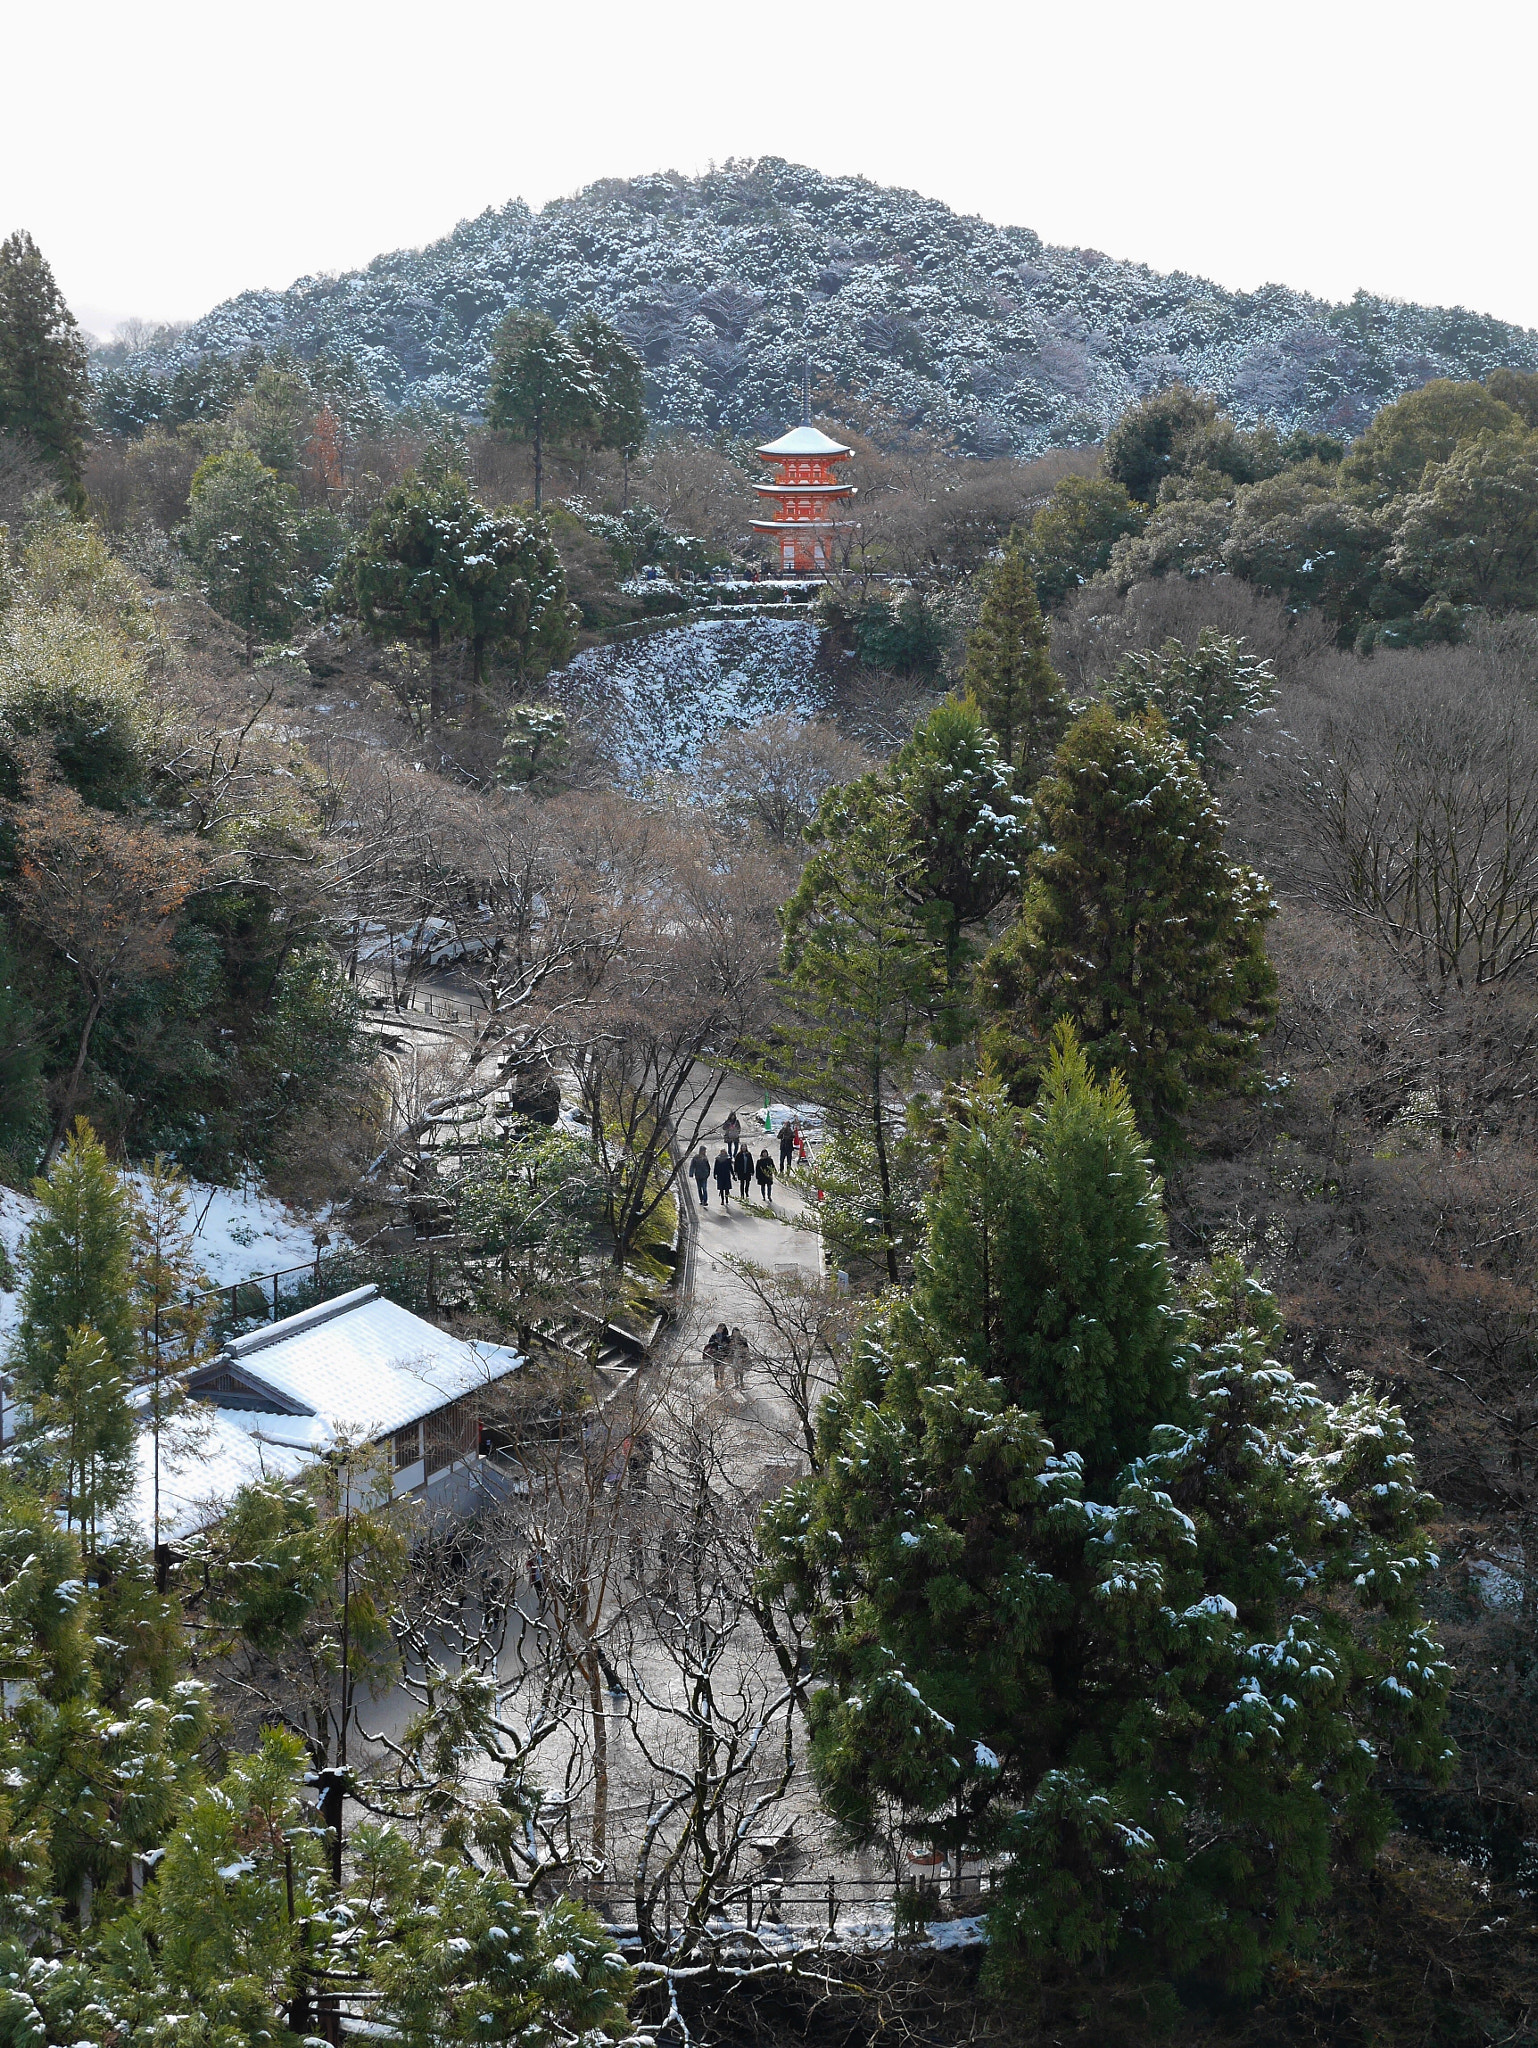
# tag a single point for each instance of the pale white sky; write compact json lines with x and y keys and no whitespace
{"x":168,"y":153}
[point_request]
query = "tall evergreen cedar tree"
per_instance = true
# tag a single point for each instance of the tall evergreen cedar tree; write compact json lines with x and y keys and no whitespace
{"x":859,"y":974}
{"x":1009,"y":670}
{"x":1135,"y":927}
{"x":74,"y":1351}
{"x":619,"y":385}
{"x":44,"y":387}
{"x":543,"y":389}
{"x":78,"y":1267}
{"x":435,"y":565}
{"x":1095,"y":1585}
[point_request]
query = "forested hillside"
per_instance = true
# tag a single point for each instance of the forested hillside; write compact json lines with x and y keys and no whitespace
{"x":1092,"y":1598}
{"x":727,"y":282}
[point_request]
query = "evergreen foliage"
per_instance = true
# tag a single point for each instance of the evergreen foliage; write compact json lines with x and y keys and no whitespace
{"x":76,"y":687}
{"x":619,"y":382}
{"x":242,"y":537}
{"x":1072,"y":535}
{"x":43,"y":380}
{"x":968,"y":828}
{"x":23,"y":1113}
{"x":78,"y":1266}
{"x":1148,"y":443}
{"x":536,"y":748}
{"x":1470,"y":535}
{"x":1009,"y":670}
{"x":859,"y":974}
{"x":543,"y":388}
{"x":1200,"y":692}
{"x":1163,"y":1692}
{"x":1135,"y":927}
{"x":1045,"y":1262}
{"x":434,"y":565}
{"x":1389,"y":458}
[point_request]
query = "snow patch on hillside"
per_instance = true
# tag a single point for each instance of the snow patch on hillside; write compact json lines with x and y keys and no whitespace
{"x":652,"y":704}
{"x":240,"y":1233}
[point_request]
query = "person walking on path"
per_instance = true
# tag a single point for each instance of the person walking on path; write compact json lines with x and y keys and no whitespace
{"x":787,"y":1144}
{"x":699,"y":1167}
{"x":765,"y":1176}
{"x":740,"y":1358}
{"x":732,"y":1129}
{"x":718,"y":1348}
{"x":743,"y":1163}
{"x":724,"y":1177}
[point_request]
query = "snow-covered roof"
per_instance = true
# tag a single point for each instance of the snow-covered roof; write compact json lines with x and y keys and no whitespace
{"x":364,"y":1364}
{"x":207,"y":1455}
{"x":278,"y":1398}
{"x":804,"y":441}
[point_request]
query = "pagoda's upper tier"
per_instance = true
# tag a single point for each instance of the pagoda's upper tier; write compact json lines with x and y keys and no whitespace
{"x":804,"y":441}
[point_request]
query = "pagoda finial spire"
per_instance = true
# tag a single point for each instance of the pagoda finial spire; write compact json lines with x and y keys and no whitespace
{"x":806,"y":394}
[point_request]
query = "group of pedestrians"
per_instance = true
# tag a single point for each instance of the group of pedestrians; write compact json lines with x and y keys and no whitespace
{"x":734,"y":1164}
{"x":727,"y":1351}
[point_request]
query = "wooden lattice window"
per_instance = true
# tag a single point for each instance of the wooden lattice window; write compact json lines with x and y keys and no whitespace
{"x":449,"y":1433}
{"x":407,"y":1445}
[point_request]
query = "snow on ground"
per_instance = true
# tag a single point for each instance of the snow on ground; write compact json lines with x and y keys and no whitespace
{"x":653,"y":703}
{"x":240,"y":1232}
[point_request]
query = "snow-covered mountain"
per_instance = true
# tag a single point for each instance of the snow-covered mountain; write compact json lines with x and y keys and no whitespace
{"x":727,"y":283}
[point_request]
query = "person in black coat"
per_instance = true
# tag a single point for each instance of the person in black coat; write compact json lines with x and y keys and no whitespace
{"x":744,"y":1168}
{"x":699,"y":1168}
{"x":765,"y":1176}
{"x":787,"y":1144}
{"x":724,"y":1177}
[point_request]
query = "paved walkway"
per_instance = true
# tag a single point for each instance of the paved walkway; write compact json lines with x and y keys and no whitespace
{"x":780,"y":1237}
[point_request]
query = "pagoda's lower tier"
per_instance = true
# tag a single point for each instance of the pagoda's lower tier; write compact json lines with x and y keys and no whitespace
{"x":804,"y":547}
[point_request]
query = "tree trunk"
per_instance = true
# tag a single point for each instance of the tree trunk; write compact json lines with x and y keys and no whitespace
{"x":539,"y":463}
{"x":884,"y":1173}
{"x":72,"y":1088}
{"x":594,"y":1676}
{"x":434,"y":641}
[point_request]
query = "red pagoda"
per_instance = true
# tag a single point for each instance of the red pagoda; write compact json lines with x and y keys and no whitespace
{"x":805,"y":496}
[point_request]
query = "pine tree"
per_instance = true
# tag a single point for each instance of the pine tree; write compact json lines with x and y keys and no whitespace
{"x":81,"y":1436}
{"x":860,"y":973}
{"x":44,"y":386}
{"x":241,"y":536}
{"x":1201,"y":692}
{"x":1046,"y":1262}
{"x":536,"y":748}
{"x":434,"y":565}
{"x":78,"y":1263}
{"x":1160,"y":1695}
{"x":968,"y":831}
{"x":1009,"y":670}
{"x":98,"y":1744}
{"x":1135,"y":926}
{"x":174,"y":1315}
{"x":542,"y":388}
{"x":619,"y":379}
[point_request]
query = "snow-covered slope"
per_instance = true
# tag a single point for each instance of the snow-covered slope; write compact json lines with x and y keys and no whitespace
{"x":652,"y":703}
{"x":239,"y":1233}
{"x":729,"y":282}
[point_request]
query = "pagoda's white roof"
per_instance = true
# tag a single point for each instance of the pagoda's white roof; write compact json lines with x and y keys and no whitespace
{"x":804,"y":441}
